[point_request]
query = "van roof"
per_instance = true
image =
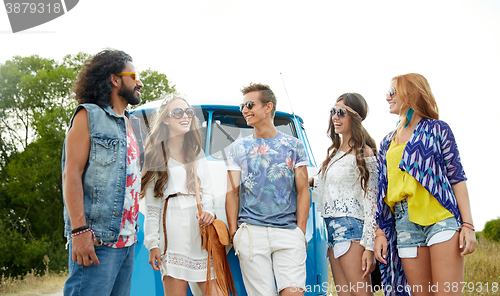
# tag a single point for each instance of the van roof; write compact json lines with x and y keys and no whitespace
{"x":210,"y":107}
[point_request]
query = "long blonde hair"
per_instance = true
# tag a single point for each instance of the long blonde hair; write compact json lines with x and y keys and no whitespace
{"x":415,"y":92}
{"x":157,"y":155}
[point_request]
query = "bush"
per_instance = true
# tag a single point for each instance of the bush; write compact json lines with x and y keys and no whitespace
{"x":492,"y":230}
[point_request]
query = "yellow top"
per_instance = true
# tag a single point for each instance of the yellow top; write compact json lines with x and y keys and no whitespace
{"x":423,"y":208}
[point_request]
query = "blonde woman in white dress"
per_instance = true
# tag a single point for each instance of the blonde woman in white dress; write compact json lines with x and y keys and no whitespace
{"x":346,"y":196}
{"x":173,"y":236}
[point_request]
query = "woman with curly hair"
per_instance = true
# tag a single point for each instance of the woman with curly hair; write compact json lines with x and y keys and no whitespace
{"x":172,"y":234}
{"x":423,"y":206}
{"x":347,"y":192}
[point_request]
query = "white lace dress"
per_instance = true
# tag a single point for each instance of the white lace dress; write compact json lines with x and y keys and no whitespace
{"x":185,"y":258}
{"x":340,"y":194}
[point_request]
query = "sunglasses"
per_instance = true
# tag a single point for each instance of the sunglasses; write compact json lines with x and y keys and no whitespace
{"x":391,"y":92}
{"x":178,"y":113}
{"x":134,"y":76}
{"x":248,"y":104}
{"x":341,"y":113}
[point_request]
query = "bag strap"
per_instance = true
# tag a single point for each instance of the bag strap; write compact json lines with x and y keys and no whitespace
{"x":197,"y":188}
{"x":165,"y":224}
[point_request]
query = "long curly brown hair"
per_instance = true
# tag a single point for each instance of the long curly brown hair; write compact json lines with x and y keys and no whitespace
{"x":359,"y":136}
{"x":93,"y":84}
{"x":157,"y":155}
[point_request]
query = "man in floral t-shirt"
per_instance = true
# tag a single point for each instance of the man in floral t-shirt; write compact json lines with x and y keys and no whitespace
{"x":267,"y":203}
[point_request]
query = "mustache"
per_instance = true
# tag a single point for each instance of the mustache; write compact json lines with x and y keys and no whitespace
{"x":137,"y":88}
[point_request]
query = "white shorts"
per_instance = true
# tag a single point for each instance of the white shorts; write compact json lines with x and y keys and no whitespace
{"x":268,"y":253}
{"x":341,"y":248}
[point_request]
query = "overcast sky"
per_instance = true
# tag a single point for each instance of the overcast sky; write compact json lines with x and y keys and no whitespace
{"x":211,"y":49}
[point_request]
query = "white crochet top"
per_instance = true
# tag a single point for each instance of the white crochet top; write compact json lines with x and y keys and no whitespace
{"x":339,"y":193}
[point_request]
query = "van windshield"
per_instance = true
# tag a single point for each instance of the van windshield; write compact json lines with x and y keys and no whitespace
{"x":228,"y":127}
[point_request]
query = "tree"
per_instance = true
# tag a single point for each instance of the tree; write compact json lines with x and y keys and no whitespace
{"x":156,"y":86}
{"x":35,"y":109}
{"x":492,"y":230}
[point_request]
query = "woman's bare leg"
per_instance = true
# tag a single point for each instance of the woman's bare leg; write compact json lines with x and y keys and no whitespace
{"x":338,"y":275}
{"x":447,"y":267}
{"x":174,"y":287}
{"x":351,"y":264}
{"x":213,"y":286}
{"x":418,"y":272}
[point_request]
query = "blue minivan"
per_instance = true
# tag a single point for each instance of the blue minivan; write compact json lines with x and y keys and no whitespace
{"x":220,"y":126}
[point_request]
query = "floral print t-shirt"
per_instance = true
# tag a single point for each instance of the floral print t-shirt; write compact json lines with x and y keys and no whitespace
{"x":268,"y":196}
{"x":128,"y":236}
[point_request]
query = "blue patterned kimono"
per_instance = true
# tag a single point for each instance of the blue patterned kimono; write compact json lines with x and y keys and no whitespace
{"x":431,"y":157}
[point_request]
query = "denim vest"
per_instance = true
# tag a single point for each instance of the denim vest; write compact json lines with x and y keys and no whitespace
{"x":105,"y":175}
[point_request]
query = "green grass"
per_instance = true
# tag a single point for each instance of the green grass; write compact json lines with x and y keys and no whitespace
{"x":33,"y":284}
{"x":482,"y":268}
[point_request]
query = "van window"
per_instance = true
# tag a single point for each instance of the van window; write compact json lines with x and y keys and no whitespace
{"x":228,"y":127}
{"x":203,"y":118}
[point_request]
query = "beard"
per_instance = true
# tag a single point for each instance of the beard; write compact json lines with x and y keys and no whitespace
{"x":129,"y":95}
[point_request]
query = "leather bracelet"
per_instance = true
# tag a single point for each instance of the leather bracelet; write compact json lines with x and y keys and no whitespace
{"x":79,"y":229}
{"x":81,"y":232}
{"x":472,"y":225}
{"x":84,"y":231}
{"x":232,"y":237}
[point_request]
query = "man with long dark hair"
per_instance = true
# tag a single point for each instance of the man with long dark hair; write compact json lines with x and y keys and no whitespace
{"x":101,"y":163}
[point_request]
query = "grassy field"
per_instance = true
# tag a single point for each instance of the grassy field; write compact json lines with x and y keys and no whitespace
{"x":33,"y":284}
{"x":482,"y":269}
{"x":482,"y":275}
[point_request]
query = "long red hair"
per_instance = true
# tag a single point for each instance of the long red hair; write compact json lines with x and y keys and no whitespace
{"x":415,"y":92}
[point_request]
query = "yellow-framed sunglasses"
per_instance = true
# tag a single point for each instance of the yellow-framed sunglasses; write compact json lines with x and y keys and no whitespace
{"x":135,"y":77}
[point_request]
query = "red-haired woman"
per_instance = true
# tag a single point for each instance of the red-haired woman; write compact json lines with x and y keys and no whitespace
{"x":422,"y":189}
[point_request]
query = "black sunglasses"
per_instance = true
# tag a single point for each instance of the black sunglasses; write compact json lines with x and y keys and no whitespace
{"x":391,"y":92}
{"x":178,"y":113}
{"x":248,"y":104}
{"x":341,"y":113}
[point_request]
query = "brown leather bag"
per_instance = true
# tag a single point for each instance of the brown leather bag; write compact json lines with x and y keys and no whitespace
{"x":214,"y":239}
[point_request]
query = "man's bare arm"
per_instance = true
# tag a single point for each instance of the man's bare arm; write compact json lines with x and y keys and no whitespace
{"x":232,"y":200}
{"x":77,"y":153}
{"x":303,"y":196}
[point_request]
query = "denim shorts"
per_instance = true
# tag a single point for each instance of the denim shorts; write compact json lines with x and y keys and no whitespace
{"x":343,"y":229}
{"x":410,"y":234}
